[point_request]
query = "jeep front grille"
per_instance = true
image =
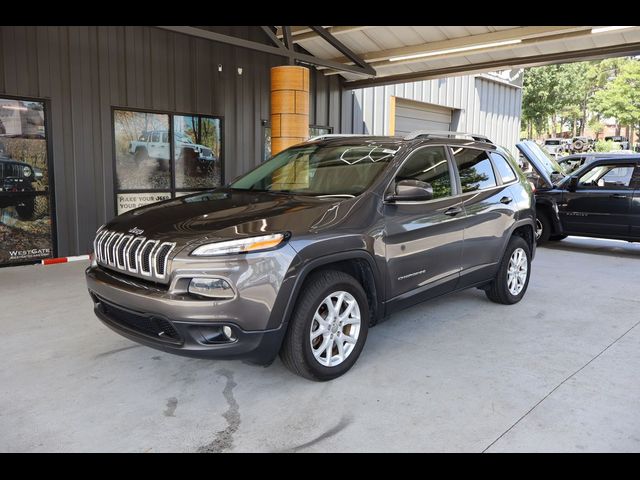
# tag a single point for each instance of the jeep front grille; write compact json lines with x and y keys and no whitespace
{"x":133,"y":255}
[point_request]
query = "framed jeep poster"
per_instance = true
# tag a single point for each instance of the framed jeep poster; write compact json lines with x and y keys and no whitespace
{"x":163,"y":155}
{"x":26,"y":213}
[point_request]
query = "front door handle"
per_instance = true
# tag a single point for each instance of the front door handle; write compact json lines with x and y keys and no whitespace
{"x":453,"y":211}
{"x":506,"y":200}
{"x":617,"y":195}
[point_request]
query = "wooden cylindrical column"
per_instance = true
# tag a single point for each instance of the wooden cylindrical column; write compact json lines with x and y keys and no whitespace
{"x":289,"y":106}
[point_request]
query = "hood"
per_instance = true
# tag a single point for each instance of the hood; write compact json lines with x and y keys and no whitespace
{"x":547,"y":168}
{"x":227,"y":214}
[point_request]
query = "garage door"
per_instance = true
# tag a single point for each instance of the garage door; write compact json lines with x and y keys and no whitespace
{"x":411,"y":115}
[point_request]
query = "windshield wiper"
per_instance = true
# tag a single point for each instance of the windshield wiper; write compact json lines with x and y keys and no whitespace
{"x":341,"y":195}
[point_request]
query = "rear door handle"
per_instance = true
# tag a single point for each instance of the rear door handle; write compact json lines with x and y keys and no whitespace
{"x":617,"y":195}
{"x":453,"y":211}
{"x":506,"y":200}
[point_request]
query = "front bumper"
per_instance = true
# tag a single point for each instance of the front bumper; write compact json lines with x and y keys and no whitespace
{"x":175,"y":322}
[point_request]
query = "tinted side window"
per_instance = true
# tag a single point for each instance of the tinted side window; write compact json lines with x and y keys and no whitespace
{"x":504,"y":169}
{"x":607,"y":177}
{"x":476,"y":172}
{"x":429,"y":165}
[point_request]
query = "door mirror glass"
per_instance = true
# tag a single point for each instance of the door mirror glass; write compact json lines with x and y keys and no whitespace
{"x":411,"y":190}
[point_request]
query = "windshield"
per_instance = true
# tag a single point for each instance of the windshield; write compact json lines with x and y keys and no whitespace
{"x":183,"y":138}
{"x":320,"y":170}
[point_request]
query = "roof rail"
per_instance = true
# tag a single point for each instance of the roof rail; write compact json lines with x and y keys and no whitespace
{"x":335,"y":135}
{"x":445,"y":133}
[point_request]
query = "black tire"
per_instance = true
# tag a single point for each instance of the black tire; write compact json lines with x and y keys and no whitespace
{"x":27,"y":210}
{"x":544,"y":222}
{"x":164,"y":165}
{"x":141,"y":156}
{"x":498,"y":290}
{"x":296,"y":352}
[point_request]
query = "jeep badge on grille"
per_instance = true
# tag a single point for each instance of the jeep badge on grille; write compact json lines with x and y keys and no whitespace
{"x":136,"y":231}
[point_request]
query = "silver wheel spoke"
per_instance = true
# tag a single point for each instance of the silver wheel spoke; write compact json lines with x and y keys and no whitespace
{"x":329,"y":325}
{"x":340,"y":346}
{"x":315,"y":334}
{"x":329,"y":352}
{"x":349,"y":339}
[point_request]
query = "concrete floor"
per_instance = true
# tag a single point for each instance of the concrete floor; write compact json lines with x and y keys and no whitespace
{"x":556,"y":372}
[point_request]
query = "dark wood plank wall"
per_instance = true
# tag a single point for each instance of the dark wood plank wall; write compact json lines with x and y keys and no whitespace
{"x":84,"y":71}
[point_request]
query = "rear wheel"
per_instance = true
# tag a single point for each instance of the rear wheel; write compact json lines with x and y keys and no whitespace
{"x":141,"y":156}
{"x":543,"y":227}
{"x":511,"y":281}
{"x":328,"y":328}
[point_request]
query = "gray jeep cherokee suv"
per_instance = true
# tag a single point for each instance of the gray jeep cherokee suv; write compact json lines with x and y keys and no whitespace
{"x":304,"y":253}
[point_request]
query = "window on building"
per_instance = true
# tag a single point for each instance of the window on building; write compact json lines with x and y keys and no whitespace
{"x":474,"y":166}
{"x":163,"y":155}
{"x":429,"y":165}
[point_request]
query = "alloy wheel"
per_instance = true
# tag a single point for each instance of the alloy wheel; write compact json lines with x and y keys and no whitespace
{"x":517,"y":271}
{"x":538,"y":228}
{"x":335,"y":328}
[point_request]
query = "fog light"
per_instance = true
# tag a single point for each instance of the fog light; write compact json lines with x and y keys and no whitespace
{"x":228,"y":333}
{"x":211,"y":287}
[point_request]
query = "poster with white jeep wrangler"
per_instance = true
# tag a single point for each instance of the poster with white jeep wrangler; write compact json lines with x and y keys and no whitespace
{"x":143,"y":154}
{"x":25,"y":215}
{"x":161,"y":155}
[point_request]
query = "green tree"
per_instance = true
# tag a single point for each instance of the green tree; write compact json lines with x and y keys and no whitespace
{"x":620,"y":96}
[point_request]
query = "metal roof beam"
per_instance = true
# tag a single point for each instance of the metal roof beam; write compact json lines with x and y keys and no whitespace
{"x":300,"y":34}
{"x":261,"y":47}
{"x":341,"y":47}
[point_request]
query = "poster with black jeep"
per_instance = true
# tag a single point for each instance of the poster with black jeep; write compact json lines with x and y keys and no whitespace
{"x":25,"y":216}
{"x":197,"y":145}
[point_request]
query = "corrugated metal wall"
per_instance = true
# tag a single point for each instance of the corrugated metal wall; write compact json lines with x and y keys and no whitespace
{"x":481,"y":106}
{"x":84,"y":71}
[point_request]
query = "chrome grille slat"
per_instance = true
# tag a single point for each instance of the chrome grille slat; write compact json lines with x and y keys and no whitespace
{"x":144,"y":257}
{"x":119,"y":251}
{"x":111,"y":244}
{"x":136,"y":256}
{"x":132,"y":254}
{"x":160,"y":258}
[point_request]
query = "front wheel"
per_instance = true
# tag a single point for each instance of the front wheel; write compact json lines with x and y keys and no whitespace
{"x":328,"y":328}
{"x":26,"y":210}
{"x":511,"y":281}
{"x":543,"y":227}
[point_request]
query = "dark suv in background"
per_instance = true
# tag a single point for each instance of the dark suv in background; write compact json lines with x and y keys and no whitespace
{"x":304,"y":253}
{"x":600,"y":199}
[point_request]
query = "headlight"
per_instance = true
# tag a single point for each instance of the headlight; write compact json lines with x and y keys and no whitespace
{"x":245,"y":245}
{"x":26,"y":171}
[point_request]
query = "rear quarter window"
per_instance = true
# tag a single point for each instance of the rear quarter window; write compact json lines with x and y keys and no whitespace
{"x":504,"y":169}
{"x":474,"y":167}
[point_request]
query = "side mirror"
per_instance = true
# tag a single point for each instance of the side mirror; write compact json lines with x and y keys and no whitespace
{"x":411,"y":190}
{"x":573,"y":184}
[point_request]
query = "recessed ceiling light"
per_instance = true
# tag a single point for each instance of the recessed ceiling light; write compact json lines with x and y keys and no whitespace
{"x":456,"y":50}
